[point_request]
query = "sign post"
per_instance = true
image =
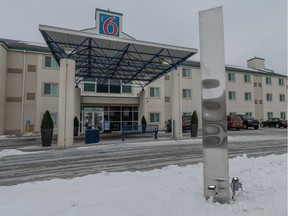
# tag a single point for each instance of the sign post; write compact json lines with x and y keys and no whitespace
{"x":214,"y":124}
{"x":27,"y":126}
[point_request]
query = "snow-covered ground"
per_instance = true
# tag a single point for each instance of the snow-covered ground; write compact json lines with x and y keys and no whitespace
{"x":2,"y":137}
{"x":173,"y":190}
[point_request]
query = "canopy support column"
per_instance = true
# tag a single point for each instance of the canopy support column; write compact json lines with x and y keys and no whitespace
{"x":142,"y":104}
{"x":176,"y":104}
{"x":66,"y":102}
{"x":77,"y":104}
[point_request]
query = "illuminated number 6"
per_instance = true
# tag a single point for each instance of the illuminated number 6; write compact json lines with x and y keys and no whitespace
{"x":109,"y":22}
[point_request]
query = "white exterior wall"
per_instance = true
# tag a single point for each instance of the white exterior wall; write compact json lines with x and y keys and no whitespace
{"x":11,"y":84}
{"x":258,"y":96}
{"x":12,"y":116}
{"x":239,"y":105}
{"x":156,"y":105}
{"x":3,"y":70}
{"x":30,"y":88}
{"x":167,"y":94}
{"x":193,"y":83}
{"x":188,"y":105}
{"x":256,"y":63}
{"x":274,"y":106}
{"x":45,"y":102}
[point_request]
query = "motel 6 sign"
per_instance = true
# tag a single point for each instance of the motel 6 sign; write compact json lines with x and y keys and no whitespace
{"x":109,"y":25}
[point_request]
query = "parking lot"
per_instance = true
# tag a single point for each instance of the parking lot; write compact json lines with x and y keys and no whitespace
{"x":24,"y":159}
{"x":34,"y":140}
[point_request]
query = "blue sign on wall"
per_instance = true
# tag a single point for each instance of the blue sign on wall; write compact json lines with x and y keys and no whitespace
{"x":109,"y":25}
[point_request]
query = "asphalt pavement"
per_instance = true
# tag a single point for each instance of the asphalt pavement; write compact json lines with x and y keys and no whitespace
{"x":32,"y":141}
{"x":111,"y":154}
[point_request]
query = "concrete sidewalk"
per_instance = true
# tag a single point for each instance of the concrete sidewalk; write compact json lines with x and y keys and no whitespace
{"x":32,"y":142}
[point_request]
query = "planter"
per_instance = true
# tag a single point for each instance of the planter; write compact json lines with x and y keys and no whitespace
{"x":46,"y":136}
{"x":144,"y":128}
{"x":144,"y":124}
{"x":76,"y":129}
{"x":194,"y":130}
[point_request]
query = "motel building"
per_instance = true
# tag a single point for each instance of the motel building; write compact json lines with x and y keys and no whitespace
{"x":114,"y":78}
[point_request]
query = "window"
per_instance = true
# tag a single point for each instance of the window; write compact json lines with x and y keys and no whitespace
{"x":248,"y":96}
{"x":283,"y":115}
{"x":281,"y":82}
{"x":50,"y":89}
{"x":248,"y":114}
{"x":154,"y":117}
{"x":270,"y":115}
{"x":186,"y":73}
{"x":109,"y":86}
{"x":154,"y":92}
{"x":232,"y":95}
{"x":231,"y":77}
{"x":127,"y":114}
{"x":126,"y":89}
{"x":268,"y":81}
{"x":187,"y":114}
{"x":115,"y":86}
{"x":282,"y":97}
{"x":269,"y":97}
{"x":54,"y":118}
{"x":102,"y":87}
{"x":187,"y":94}
{"x":89,"y":87}
{"x":50,"y":62}
{"x":247,"y":78}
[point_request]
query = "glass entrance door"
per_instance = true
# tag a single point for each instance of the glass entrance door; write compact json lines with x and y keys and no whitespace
{"x":93,"y":120}
{"x":95,"y":117}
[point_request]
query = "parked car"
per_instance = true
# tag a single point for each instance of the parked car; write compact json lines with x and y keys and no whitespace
{"x":235,"y":122}
{"x":274,"y":122}
{"x":186,"y":122}
{"x":248,"y":121}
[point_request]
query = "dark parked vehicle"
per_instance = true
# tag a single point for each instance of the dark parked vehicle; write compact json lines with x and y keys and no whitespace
{"x":234,"y":121}
{"x":248,"y":121}
{"x":274,"y":122}
{"x":186,"y":122}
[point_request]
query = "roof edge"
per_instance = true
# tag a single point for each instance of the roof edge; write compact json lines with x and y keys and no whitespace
{"x":255,"y":58}
{"x":132,"y":41}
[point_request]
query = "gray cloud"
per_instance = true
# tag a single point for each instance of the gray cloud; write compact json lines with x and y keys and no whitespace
{"x":252,"y":27}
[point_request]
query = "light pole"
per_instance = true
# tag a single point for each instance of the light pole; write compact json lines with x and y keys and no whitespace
{"x":214,"y":123}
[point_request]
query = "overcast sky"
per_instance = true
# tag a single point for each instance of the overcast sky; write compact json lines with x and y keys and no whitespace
{"x":251,"y":27}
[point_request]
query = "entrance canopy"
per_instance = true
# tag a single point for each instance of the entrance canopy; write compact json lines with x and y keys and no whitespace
{"x":107,"y":57}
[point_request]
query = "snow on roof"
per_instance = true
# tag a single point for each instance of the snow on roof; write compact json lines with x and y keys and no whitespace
{"x":24,"y":45}
{"x":251,"y":70}
{"x":241,"y":68}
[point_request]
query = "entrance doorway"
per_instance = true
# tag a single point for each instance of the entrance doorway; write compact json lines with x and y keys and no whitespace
{"x":92,"y":118}
{"x":95,"y":117}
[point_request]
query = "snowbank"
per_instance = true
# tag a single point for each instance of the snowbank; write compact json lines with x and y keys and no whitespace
{"x":175,"y":191}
